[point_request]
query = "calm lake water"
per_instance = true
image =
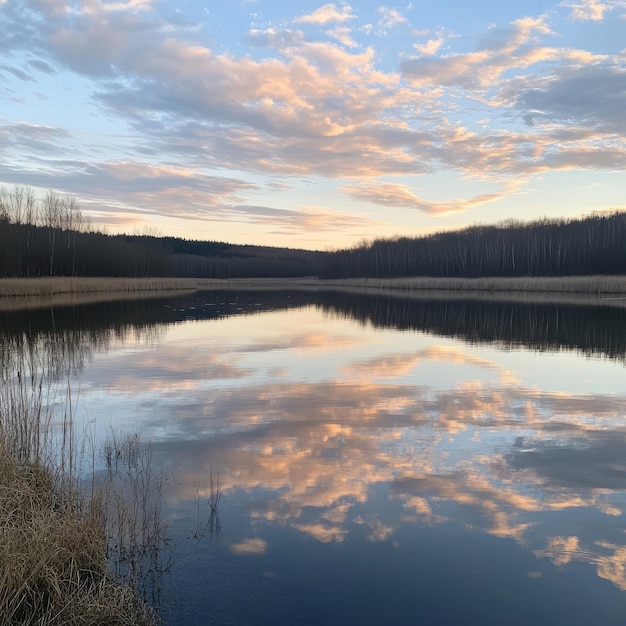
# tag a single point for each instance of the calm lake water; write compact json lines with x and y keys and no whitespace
{"x":380,"y":460}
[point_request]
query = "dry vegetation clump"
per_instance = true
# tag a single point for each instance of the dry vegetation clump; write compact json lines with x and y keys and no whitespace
{"x":53,"y":547}
{"x":54,"y":566}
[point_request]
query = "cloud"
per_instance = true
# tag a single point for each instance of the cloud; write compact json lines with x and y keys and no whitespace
{"x":343,"y":35}
{"x":177,"y":372}
{"x":166,"y":190}
{"x":98,"y":43}
{"x":129,"y":6}
{"x":375,"y":530}
{"x":430,"y":48}
{"x":155,"y":189}
{"x":422,"y":507}
{"x":397,"y":195}
{"x":589,"y":97}
{"x":42,"y":66}
{"x":295,"y":98}
{"x":318,"y":105}
{"x":309,"y":111}
{"x":591,"y":10}
{"x":501,"y":51}
{"x":34,"y":138}
{"x":327,"y":14}
{"x":389,"y":20}
{"x":50,"y":8}
{"x":16,"y":72}
{"x":309,"y":218}
{"x":272,"y":38}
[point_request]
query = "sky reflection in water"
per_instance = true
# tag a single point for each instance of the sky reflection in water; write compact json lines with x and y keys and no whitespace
{"x":373,"y":475}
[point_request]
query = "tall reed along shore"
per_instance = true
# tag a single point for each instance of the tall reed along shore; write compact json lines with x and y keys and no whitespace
{"x":28,"y":287}
{"x":45,"y":287}
{"x":61,"y":531}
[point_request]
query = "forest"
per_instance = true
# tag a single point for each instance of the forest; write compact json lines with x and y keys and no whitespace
{"x":587,"y":246}
{"x":52,"y":237}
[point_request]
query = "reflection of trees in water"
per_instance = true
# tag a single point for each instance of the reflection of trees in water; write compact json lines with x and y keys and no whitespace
{"x":537,"y":325}
{"x":58,"y":341}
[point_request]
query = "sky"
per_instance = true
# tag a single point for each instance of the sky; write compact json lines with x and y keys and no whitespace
{"x":315,"y":125}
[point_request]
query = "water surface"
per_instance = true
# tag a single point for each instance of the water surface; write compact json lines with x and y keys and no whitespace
{"x":381,"y":459}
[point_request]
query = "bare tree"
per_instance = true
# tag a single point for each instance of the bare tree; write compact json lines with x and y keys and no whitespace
{"x":52,"y":212}
{"x":17,"y":206}
{"x":73,"y":223}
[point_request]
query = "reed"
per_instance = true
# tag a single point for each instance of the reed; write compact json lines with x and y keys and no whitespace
{"x":212,"y":525}
{"x":42,"y":287}
{"x":536,"y":284}
{"x":55,"y":569}
{"x":129,"y":496}
{"x":54,"y":545}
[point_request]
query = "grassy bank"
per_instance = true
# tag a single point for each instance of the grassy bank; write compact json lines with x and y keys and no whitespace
{"x":54,"y":565}
{"x":588,"y":285}
{"x":41,"y":287}
{"x":539,"y":284}
{"x":76,"y":289}
{"x":54,"y":539}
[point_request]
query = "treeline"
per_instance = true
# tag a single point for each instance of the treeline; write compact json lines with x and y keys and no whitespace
{"x":52,"y":237}
{"x":589,"y":246}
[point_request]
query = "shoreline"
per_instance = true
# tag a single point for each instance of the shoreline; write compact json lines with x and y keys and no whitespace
{"x":56,"y":285}
{"x":596,"y":285}
{"x":16,"y":293}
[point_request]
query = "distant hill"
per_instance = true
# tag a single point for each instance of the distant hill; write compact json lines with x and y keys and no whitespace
{"x":213,"y":259}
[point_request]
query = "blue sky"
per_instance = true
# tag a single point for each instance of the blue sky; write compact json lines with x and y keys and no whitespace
{"x":312,"y":124}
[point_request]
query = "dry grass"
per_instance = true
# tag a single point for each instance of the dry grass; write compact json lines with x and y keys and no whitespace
{"x":53,"y":543}
{"x":54,"y":566}
{"x":128,"y":497}
{"x":23,"y":432}
{"x":540,"y":284}
{"x":527,"y":284}
{"x":42,"y":287}
{"x":47,"y":287}
{"x":18,"y":294}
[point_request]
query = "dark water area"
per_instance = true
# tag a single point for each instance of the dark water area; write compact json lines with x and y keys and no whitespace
{"x":333,"y":458}
{"x":590,"y":329}
{"x":537,"y":325}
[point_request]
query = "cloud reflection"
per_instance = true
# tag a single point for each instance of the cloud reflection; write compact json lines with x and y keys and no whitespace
{"x":319,"y":450}
{"x":249,"y":547}
{"x":362,"y":433}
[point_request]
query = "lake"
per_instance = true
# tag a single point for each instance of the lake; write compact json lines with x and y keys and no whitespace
{"x":344,"y":458}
